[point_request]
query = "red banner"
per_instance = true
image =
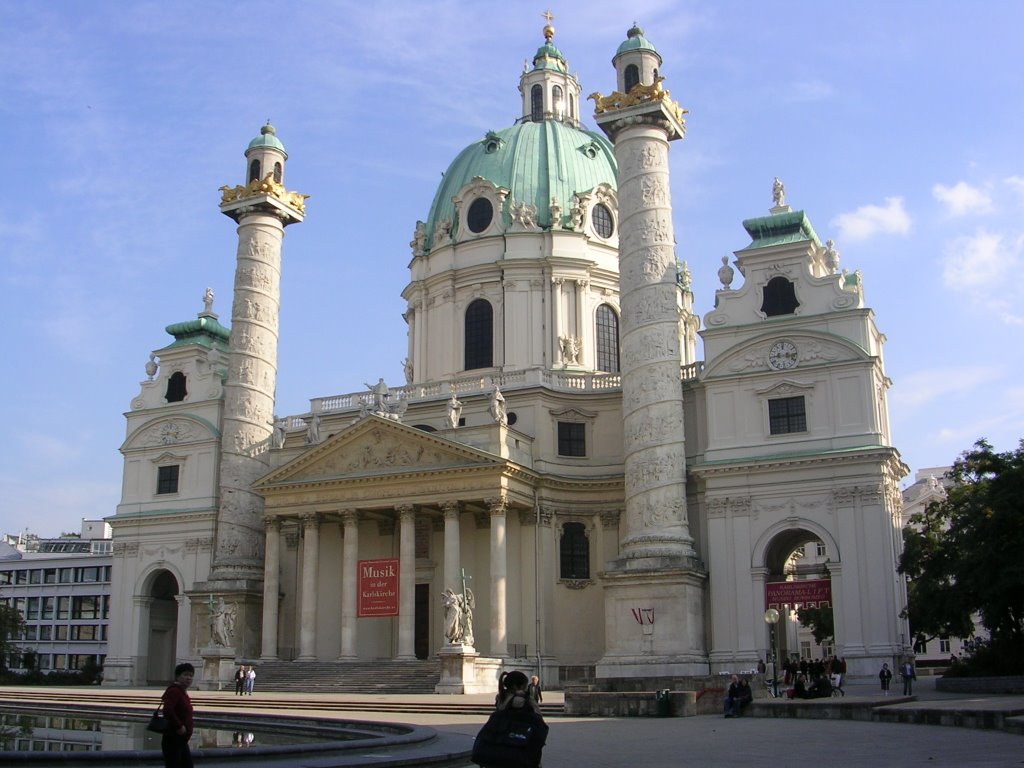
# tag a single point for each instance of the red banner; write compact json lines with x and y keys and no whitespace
{"x":807,"y":593}
{"x":378,"y":588}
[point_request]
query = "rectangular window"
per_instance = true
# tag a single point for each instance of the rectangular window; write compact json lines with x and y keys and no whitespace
{"x":84,"y":632}
{"x":5,"y":577}
{"x":167,"y":479}
{"x":943,"y":644}
{"x":805,"y":649}
{"x":85,"y":607}
{"x":21,"y":577}
{"x":820,"y":547}
{"x":50,"y":576}
{"x":786,"y":415}
{"x":62,"y":632}
{"x":32,"y":609}
{"x":572,"y":438}
{"x":35,"y":576}
{"x":67,"y":575}
{"x":920,"y":647}
{"x":59,"y":661}
{"x":46,"y":632}
{"x":48,"y":607}
{"x":88,"y":575}
{"x":63,"y":607}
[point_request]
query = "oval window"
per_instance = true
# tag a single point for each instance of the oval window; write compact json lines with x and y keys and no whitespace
{"x":480,"y":214}
{"x":603,"y":223}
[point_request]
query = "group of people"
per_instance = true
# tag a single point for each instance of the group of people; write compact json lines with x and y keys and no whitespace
{"x":245,"y":680}
{"x":907,"y":674}
{"x":813,"y":678}
{"x":737,"y":696}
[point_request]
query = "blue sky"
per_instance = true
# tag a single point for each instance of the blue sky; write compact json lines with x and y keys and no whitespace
{"x":897,"y":127}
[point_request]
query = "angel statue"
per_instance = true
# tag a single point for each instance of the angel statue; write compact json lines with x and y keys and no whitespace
{"x":468,"y":604}
{"x":452,"y":616}
{"x":223,"y":623}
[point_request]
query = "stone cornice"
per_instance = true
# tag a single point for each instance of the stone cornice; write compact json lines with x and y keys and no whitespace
{"x":887,"y":455}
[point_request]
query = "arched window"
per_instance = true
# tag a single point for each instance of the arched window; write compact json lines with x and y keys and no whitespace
{"x":277,"y":172}
{"x":479,"y":335}
{"x":537,"y":104}
{"x":176,"y":389}
{"x":572,"y":107}
{"x":574,"y":551}
{"x":632,"y":77}
{"x":779,"y":298}
{"x":607,"y":339}
{"x":556,"y":100}
{"x":254,"y":170}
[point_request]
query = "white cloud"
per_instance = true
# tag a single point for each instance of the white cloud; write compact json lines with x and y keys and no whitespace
{"x":962,"y":198}
{"x":869,"y":220}
{"x":1016,"y":183}
{"x":976,"y":261}
{"x":924,"y":387}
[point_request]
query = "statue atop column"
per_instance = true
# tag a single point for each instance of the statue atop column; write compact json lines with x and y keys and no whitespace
{"x":778,"y":193}
{"x":454,"y":410}
{"x":497,"y":407}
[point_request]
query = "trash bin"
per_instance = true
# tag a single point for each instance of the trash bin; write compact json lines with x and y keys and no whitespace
{"x":661,"y":703}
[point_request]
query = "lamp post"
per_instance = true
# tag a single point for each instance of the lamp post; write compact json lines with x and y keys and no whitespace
{"x":771,"y":618}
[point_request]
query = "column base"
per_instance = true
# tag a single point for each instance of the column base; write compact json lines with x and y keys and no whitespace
{"x":218,"y":668}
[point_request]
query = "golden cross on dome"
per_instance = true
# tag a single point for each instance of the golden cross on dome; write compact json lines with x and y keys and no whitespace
{"x":548,"y":16}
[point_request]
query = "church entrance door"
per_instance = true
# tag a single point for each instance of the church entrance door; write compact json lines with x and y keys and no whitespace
{"x":421,"y":639}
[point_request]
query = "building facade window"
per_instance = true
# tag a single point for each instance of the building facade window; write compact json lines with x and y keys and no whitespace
{"x":479,"y":336}
{"x":556,"y":101}
{"x":604,"y":224}
{"x":176,"y":388}
{"x":537,"y":104}
{"x":944,"y":645}
{"x":779,"y":298}
{"x":787,"y":415}
{"x":631,"y":77}
{"x":607,"y":339}
{"x":572,"y":438}
{"x":479,"y":216}
{"x":574,"y":552}
{"x":254,"y":170}
{"x":278,"y":172}
{"x":167,"y":479}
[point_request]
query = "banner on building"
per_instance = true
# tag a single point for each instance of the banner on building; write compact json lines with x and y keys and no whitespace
{"x":804,"y":593}
{"x":378,"y":588}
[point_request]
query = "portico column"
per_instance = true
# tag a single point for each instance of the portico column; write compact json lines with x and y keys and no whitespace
{"x":271,"y":587}
{"x":406,"y":581}
{"x":310,"y":564}
{"x":452,"y":538}
{"x":499,"y":569}
{"x":581,"y":299}
{"x":349,"y":583}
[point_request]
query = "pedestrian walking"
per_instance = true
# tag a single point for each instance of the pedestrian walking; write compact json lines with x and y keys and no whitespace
{"x":885,"y":677}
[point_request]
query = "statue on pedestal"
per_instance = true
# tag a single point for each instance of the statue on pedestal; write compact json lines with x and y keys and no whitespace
{"x":222,"y":624}
{"x":458,"y":617}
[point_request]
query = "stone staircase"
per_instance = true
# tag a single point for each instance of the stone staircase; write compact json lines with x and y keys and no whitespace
{"x":383,"y":676}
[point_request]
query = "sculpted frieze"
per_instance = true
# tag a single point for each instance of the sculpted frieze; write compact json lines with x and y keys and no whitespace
{"x":657,"y":510}
{"x":656,"y":306}
{"x":656,"y":343}
{"x":653,"y":384}
{"x":171,"y":433}
{"x":653,"y":429}
{"x":255,"y":276}
{"x":652,"y":471}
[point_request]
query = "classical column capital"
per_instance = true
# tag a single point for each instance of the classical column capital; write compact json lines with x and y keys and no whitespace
{"x":309,"y":520}
{"x":350,"y":517}
{"x":497,"y":505}
{"x":406,"y":512}
{"x":272,"y":524}
{"x":451,"y":509}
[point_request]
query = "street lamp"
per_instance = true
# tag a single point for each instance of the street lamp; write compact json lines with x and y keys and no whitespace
{"x":771,"y":618}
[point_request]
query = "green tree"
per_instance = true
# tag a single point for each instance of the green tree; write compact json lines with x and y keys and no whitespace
{"x":11,"y":628}
{"x":963,"y":556}
{"x":820,"y":621}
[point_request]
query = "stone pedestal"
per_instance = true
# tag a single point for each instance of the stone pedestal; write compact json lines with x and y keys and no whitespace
{"x":218,"y":668}
{"x":463,"y":670}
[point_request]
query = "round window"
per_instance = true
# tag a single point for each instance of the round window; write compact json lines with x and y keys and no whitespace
{"x":604,"y":225}
{"x":480,"y":214}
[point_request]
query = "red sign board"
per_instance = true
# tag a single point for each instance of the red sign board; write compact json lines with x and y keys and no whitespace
{"x":378,"y":588}
{"x":807,"y":593}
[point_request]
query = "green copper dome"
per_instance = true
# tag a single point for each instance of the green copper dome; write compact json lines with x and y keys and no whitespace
{"x":267,"y":138}
{"x":636,"y":41}
{"x":535,"y":161}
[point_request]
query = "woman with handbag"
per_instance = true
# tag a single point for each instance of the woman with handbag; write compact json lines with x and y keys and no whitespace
{"x":178,"y":712}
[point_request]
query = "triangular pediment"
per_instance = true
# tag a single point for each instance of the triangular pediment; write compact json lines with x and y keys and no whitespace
{"x":378,"y":447}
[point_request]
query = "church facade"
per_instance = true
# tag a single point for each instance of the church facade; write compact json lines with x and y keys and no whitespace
{"x":559,"y":458}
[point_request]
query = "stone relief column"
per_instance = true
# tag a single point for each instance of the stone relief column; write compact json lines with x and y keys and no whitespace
{"x":349,"y":583}
{"x":581,"y":315}
{"x":271,"y":588}
{"x":310,"y":566}
{"x":499,"y":578}
{"x":656,"y":522}
{"x":407,"y":582}
{"x":452,"y":542}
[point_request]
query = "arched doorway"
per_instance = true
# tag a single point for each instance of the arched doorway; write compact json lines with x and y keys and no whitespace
{"x":798,"y":585}
{"x":162,"y":594}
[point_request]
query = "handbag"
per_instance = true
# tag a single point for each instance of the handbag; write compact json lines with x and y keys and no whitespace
{"x":157,"y":722}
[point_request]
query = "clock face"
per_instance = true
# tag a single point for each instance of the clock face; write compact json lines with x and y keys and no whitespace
{"x":782,"y":355}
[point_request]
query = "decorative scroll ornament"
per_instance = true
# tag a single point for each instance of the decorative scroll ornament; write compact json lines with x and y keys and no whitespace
{"x":264,"y":186}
